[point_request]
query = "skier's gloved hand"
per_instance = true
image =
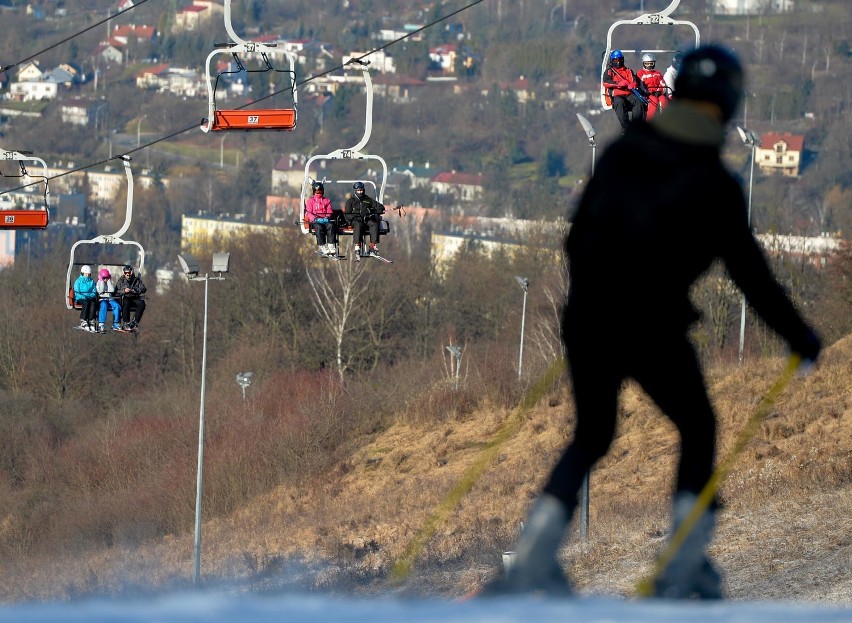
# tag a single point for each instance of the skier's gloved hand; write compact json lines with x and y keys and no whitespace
{"x":808,"y":347}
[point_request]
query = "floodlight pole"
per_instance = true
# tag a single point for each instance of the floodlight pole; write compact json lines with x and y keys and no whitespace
{"x":196,"y":573}
{"x":752,"y":140}
{"x":525,"y":284}
{"x":191,"y":269}
{"x":589,"y":129}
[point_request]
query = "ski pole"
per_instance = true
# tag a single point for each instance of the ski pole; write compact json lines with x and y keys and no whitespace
{"x":402,"y":567}
{"x":645,"y":587}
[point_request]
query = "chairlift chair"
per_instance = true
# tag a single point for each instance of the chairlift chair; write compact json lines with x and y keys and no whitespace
{"x":112,"y":244}
{"x":351,"y":153}
{"x":22,"y":218}
{"x":648,"y":19}
{"x":247,"y":119}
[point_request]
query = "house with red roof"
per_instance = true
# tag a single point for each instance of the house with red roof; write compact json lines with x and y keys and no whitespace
{"x":780,"y":154}
{"x":129,"y":32}
{"x":462,"y":186}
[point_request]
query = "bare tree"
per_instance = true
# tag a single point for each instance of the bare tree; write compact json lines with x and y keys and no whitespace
{"x":337,"y":287}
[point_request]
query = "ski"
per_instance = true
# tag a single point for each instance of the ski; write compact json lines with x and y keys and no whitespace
{"x":331,"y":257}
{"x":85,"y":329}
{"x":380,"y":258}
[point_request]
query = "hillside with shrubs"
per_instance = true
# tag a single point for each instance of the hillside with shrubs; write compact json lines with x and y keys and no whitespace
{"x":323,"y":473}
{"x":358,"y":424}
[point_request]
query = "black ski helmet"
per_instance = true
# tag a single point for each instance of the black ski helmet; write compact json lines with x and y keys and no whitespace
{"x":319,"y":187}
{"x":358,"y":186}
{"x":127,"y":268}
{"x":711,"y":74}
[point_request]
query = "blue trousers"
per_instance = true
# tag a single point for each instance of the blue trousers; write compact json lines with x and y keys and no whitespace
{"x":114,"y":306}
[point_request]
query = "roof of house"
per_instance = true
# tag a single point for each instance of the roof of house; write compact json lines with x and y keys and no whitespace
{"x":795,"y":142}
{"x":140,"y":32}
{"x":451,"y":177}
{"x":157,"y":70}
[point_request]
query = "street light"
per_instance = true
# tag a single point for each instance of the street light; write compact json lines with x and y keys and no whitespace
{"x":138,"y":129}
{"x":244,"y":379}
{"x":589,"y":129}
{"x":525,"y":284}
{"x":752,"y":140}
{"x":190,"y":268}
{"x":456,"y":352}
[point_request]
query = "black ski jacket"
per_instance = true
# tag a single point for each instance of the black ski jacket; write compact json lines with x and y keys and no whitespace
{"x":632,"y":260}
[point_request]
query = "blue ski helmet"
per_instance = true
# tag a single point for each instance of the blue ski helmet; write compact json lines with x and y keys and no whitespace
{"x":711,"y":74}
{"x":616,"y":58}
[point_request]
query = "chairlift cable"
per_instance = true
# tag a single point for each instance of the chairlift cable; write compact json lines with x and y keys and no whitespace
{"x":68,"y":38}
{"x":194,"y":126}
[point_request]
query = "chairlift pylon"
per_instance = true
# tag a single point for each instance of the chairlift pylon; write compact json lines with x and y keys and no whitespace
{"x":247,"y":119}
{"x":107,"y":240}
{"x":648,"y":19}
{"x":22,"y":218}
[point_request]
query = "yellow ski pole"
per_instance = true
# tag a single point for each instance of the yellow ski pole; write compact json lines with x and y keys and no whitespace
{"x":402,"y":567}
{"x":645,"y":587}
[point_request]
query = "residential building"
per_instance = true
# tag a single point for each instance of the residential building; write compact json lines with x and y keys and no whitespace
{"x":398,"y":89}
{"x":194,"y":16}
{"x":418,"y":176}
{"x":780,"y":154}
{"x":29,"y":72}
{"x":127,"y":33}
{"x":288,"y":172}
{"x":444,"y":57}
{"x":110,"y":52}
{"x":199,"y":230}
{"x":81,"y":111}
{"x":751,"y":7}
{"x":33,"y":90}
{"x":462,"y":186}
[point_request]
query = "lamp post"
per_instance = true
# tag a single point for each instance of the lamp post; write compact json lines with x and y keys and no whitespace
{"x":456,"y":352}
{"x":138,"y":130}
{"x":222,"y":151}
{"x":525,"y":284}
{"x":589,"y":129}
{"x":752,"y":140}
{"x":244,"y":379}
{"x":190,"y":268}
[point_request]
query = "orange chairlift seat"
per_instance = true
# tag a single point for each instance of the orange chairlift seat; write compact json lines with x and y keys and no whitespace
{"x":101,"y":250}
{"x":17,"y":218}
{"x":352,"y":153}
{"x":247,"y":119}
{"x":648,"y":19}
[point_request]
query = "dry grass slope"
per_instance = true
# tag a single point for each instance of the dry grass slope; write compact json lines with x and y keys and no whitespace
{"x":785,"y":530}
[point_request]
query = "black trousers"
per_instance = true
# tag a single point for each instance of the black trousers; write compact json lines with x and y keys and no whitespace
{"x":624,"y":104}
{"x":372,"y":225}
{"x":666,"y":367}
{"x":133,"y":304}
{"x":89,"y":310}
{"x":326,"y":232}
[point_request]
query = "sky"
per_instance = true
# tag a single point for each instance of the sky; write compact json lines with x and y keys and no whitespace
{"x":212,"y":607}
